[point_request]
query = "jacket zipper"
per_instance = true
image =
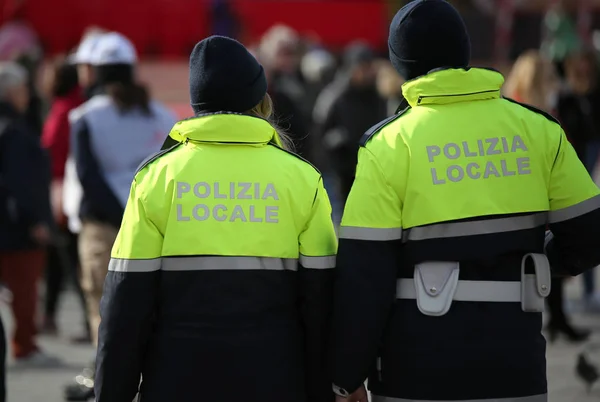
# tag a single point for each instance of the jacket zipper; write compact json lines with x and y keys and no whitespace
{"x":379,"y":370}
{"x":421,"y":97}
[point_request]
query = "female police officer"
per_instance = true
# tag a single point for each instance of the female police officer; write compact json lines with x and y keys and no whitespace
{"x":220,"y":280}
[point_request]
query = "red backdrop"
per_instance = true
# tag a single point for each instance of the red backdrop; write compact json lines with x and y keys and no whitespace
{"x":172,"y":27}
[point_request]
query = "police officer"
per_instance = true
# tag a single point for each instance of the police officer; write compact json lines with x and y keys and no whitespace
{"x":442,"y":271}
{"x":220,"y":284}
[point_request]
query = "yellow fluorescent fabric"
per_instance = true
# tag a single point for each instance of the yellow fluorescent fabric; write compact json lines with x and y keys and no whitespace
{"x":138,"y":237}
{"x":318,"y":238}
{"x":570,"y":183}
{"x":227,"y":191}
{"x":461,"y":151}
{"x":373,"y":202}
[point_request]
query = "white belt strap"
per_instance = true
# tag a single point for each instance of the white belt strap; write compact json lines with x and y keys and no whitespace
{"x":532,"y":398}
{"x":472,"y":291}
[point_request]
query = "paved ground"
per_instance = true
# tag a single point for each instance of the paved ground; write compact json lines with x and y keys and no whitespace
{"x":45,"y":385}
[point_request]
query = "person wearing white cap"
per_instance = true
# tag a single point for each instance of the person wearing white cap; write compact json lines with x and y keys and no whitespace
{"x":111,"y":135}
{"x":83,"y":59}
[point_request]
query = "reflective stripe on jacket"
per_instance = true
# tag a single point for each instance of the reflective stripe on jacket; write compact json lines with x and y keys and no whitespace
{"x":459,"y":175}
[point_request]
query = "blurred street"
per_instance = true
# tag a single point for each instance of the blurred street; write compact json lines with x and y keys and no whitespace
{"x":34,"y":385}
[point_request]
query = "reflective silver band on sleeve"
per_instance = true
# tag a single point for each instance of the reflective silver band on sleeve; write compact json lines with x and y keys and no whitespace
{"x":325,"y":262}
{"x":574,"y":211}
{"x":224,"y":263}
{"x":370,"y":234}
{"x":130,"y":265}
{"x":532,"y":398}
{"x":473,"y":228}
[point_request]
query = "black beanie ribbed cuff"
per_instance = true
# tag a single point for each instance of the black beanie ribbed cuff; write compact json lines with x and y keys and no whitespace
{"x":242,"y":100}
{"x":426,"y":35}
{"x":225,"y":77}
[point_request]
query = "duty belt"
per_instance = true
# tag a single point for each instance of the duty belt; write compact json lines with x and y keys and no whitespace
{"x":435,"y":285}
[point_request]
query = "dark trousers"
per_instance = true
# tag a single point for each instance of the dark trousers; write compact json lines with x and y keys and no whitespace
{"x":63,"y":266}
{"x":21,"y":271}
{"x":555,"y":302}
{"x":2,"y":363}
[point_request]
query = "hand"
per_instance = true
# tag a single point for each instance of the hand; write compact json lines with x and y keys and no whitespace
{"x":360,"y":395}
{"x":56,"y":198}
{"x":41,"y":234}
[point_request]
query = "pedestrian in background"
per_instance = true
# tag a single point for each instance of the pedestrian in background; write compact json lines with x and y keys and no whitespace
{"x":533,"y":80}
{"x":65,"y":95}
{"x":25,"y":213}
{"x":579,"y":112}
{"x":345,"y":110}
{"x":221,"y":277}
{"x":112,"y":133}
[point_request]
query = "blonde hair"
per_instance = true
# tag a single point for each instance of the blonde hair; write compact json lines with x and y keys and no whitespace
{"x":531,"y":79}
{"x":389,"y":82}
{"x":265,"y":110}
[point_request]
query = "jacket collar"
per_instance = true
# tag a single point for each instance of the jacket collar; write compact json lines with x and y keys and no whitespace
{"x":225,"y":127}
{"x":445,"y":86}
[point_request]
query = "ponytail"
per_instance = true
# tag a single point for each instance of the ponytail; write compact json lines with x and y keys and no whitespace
{"x":128,"y":96}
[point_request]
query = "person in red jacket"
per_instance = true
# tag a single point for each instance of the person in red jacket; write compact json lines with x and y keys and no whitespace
{"x":62,"y":86}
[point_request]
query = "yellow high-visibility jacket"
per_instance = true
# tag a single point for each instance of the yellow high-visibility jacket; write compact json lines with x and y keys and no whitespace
{"x":221,"y":276}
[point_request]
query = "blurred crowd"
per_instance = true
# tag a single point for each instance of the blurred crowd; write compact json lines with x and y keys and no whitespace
{"x":65,"y":176}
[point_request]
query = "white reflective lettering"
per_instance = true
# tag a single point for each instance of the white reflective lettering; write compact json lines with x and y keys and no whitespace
{"x":220,"y":211}
{"x":504,"y":145}
{"x":271,"y":214}
{"x":253,"y":217}
{"x":243,"y":191}
{"x":435,"y":178}
{"x":467,"y":151}
{"x":518,"y":144}
{"x":217,"y":193}
{"x":182,"y":188}
{"x":433,"y":151}
{"x":455,"y":173}
{"x":480,"y":147}
{"x":201,"y":209}
{"x":492,"y":144}
{"x":216,"y":215}
{"x":470,"y":168}
{"x":238,"y":213}
{"x":523,"y":166}
{"x":505,"y":171}
{"x":202,"y":190}
{"x":270,"y":192}
{"x":490,"y":170}
{"x":180,"y":216}
{"x":452,"y":151}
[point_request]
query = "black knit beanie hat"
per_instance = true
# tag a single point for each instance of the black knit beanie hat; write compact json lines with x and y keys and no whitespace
{"x":428,"y":34}
{"x":224,"y":76}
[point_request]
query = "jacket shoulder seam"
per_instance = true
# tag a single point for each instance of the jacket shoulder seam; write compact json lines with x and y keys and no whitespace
{"x":366,"y":137}
{"x":535,"y":110}
{"x":297,"y":156}
{"x":155,"y":156}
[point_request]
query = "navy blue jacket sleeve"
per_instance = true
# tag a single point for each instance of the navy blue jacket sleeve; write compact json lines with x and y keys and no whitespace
{"x":316,"y":293}
{"x":127,"y":309}
{"x":574,"y":247}
{"x":365,"y":292}
{"x":25,"y":174}
{"x":99,"y":201}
